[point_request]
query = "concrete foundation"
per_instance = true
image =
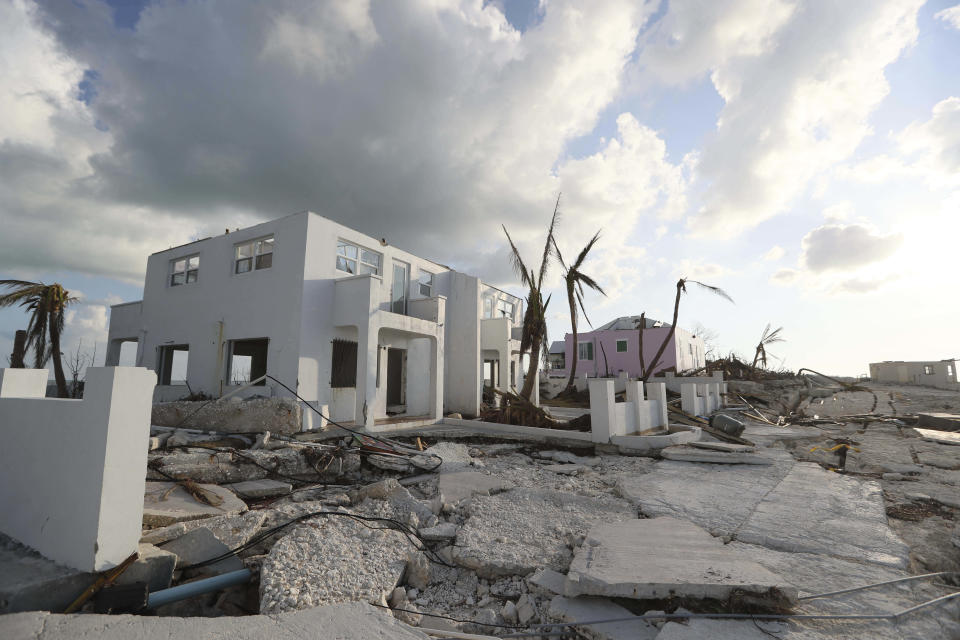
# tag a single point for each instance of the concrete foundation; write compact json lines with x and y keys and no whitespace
{"x":256,"y":415}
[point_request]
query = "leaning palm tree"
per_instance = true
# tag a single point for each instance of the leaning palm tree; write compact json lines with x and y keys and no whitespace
{"x":681,"y":289}
{"x":768,"y":338}
{"x":534,"y":333}
{"x":575,"y":279}
{"x":46,"y":303}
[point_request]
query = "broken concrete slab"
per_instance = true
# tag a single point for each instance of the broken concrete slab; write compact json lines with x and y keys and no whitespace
{"x":724,"y":446}
{"x":522,"y":530}
{"x":693,"y":454}
{"x":565,"y":469}
{"x":454,"y":456}
{"x":578,"y":610}
{"x":265,"y":488}
{"x":233,"y":531}
{"x":548,"y":581}
{"x":939,"y":421}
{"x":154,"y":566}
{"x":943,"y":437}
{"x":565,"y":457}
{"x":347,"y":621}
{"x":278,"y":415}
{"x":331,"y":559}
{"x":29,"y":581}
{"x":201,"y":545}
{"x":221,"y":467}
{"x":717,"y":497}
{"x":443,"y":531}
{"x":167,"y":502}
{"x":815,"y":511}
{"x":663,"y":558}
{"x":457,"y":486}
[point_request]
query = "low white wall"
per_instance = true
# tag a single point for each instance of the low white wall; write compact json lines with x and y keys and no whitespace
{"x":674,"y":383}
{"x":72,"y":472}
{"x":639,"y":414}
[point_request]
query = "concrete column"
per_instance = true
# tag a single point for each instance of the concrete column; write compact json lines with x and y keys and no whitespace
{"x":657,"y":394}
{"x":113,"y":353}
{"x":689,"y":400}
{"x":703,"y":392}
{"x":436,"y":377}
{"x":640,"y":407}
{"x":602,"y":415}
{"x":366,"y":389}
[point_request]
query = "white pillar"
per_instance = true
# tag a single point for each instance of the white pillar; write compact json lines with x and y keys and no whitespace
{"x":602,"y":415}
{"x":640,"y":407}
{"x":657,"y":393}
{"x":689,"y":400}
{"x":366,"y":389}
{"x":436,"y":376}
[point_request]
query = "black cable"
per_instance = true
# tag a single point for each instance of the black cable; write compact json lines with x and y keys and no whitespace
{"x":437,"y":615}
{"x":237,"y":452}
{"x":396,"y":526}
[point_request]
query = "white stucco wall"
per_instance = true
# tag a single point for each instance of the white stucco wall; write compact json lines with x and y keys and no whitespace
{"x":72,"y":471}
{"x":690,"y":350}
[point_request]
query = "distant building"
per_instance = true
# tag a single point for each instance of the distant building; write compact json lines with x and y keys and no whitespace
{"x":556,"y":356}
{"x":614,"y":347}
{"x":941,"y":374}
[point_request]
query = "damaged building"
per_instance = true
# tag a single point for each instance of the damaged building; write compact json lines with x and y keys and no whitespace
{"x":359,"y":328}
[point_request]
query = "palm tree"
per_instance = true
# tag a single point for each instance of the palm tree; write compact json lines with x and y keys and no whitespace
{"x":535,"y":319}
{"x":768,"y":338}
{"x":47,"y":304}
{"x":681,"y":289}
{"x":575,"y":279}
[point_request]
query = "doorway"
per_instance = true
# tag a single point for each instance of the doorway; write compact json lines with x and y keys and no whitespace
{"x":398,"y":290}
{"x":396,"y":381}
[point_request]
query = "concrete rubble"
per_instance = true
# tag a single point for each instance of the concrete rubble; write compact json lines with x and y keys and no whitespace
{"x":517,"y":531}
{"x":232,"y":415}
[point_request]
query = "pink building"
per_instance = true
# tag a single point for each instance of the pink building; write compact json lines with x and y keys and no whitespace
{"x":614,"y":347}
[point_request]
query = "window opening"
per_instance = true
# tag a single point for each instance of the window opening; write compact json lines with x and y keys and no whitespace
{"x":184,"y":270}
{"x":253,"y":255}
{"x":172,"y":364}
{"x":354,"y":259}
{"x":425,"y":282}
{"x":586,"y":351}
{"x":248,"y":361}
{"x":621,"y":346}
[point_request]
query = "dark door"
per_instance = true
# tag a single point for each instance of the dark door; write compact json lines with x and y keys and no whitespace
{"x":394,"y":377}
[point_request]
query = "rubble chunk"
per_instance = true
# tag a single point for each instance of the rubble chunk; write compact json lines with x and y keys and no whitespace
{"x":443,"y":531}
{"x":454,"y":487}
{"x":661,"y":558}
{"x":153,"y":565}
{"x":522,"y":530}
{"x":232,"y":531}
{"x":585,"y":609}
{"x":200,"y":545}
{"x":695,"y":454}
{"x":264,"y":488}
{"x":167,"y":502}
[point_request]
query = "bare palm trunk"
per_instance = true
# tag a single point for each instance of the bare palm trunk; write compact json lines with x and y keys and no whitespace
{"x":643,"y":325}
{"x":55,"y":354}
{"x":527,"y":391}
{"x":19,"y":349}
{"x":576,"y":347}
{"x":669,"y":338}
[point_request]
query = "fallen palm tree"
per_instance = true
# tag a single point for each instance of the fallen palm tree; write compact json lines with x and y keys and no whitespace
{"x":516,"y":410}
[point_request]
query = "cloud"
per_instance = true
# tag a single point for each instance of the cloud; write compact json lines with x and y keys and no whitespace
{"x":860,"y":285}
{"x":951,"y":16}
{"x":846,"y":247}
{"x":799,"y":83}
{"x":785,"y":276}
{"x":775,"y":253}
{"x":430,"y":123}
{"x":937,"y":140}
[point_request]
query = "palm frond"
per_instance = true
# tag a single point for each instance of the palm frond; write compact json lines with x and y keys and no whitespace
{"x":590,"y":282}
{"x":517,"y":262}
{"x":717,"y":290}
{"x":550,"y":244}
{"x":583,"y":252}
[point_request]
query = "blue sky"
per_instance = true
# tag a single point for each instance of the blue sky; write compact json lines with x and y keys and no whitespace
{"x":802,"y":155}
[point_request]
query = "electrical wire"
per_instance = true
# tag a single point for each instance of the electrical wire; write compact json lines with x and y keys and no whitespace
{"x":395,"y":525}
{"x":437,"y":615}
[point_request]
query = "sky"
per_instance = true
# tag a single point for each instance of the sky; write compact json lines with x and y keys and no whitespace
{"x":802,"y":155}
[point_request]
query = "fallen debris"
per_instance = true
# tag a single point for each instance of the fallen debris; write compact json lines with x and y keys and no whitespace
{"x":699,"y":454}
{"x":168,"y":502}
{"x":580,"y":610}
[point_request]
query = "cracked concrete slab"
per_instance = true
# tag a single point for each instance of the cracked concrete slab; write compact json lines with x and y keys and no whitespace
{"x":460,"y":485}
{"x":522,"y":530}
{"x":586,"y":609}
{"x":348,"y":621}
{"x":815,"y":511}
{"x":663,"y":558}
{"x":165,"y":503}
{"x":694,"y":454}
{"x":717,"y":497}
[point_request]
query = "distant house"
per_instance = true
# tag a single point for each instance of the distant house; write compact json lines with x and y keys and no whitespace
{"x":614,"y":347}
{"x":556,"y":356}
{"x":941,"y":374}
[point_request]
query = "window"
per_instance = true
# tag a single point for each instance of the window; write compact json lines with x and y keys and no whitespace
{"x":172,"y":364}
{"x":621,"y":346}
{"x":357,"y":260}
{"x":928,"y":369}
{"x":425,"y":282}
{"x":505,"y":309}
{"x":586,"y":351}
{"x":487,"y":307}
{"x":248,"y":361}
{"x":343,"y":370}
{"x":184,"y":270}
{"x":254,"y":255}
{"x":949,"y":370}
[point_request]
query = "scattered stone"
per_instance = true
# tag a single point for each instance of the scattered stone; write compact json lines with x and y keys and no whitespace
{"x":509,"y":612}
{"x":331,"y":559}
{"x":816,"y":511}
{"x":454,"y":487}
{"x":522,"y":530}
{"x":661,"y":558}
{"x":264,"y":488}
{"x":153,"y":565}
{"x":377,"y":490}
{"x":398,"y":598}
{"x":455,"y":456}
{"x":418,"y":570}
{"x":577,"y":610}
{"x":694,"y":454}
{"x":445,"y":531}
{"x":390,"y":463}
{"x":565,"y":469}
{"x":200,"y":545}
{"x":166,"y":503}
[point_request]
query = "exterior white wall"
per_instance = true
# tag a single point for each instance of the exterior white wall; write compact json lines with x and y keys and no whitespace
{"x":72,"y":471}
{"x":943,"y":373}
{"x":463,"y":368}
{"x":690,"y":350}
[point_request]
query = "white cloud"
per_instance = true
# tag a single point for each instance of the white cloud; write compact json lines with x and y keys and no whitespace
{"x":936,"y":142}
{"x":950,"y":15}
{"x":846,"y":247}
{"x":775,"y":253}
{"x":799,"y":83}
{"x":785,"y":276}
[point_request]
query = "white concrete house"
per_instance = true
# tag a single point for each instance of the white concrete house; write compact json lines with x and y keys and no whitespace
{"x":930,"y":373}
{"x":354,"y":324}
